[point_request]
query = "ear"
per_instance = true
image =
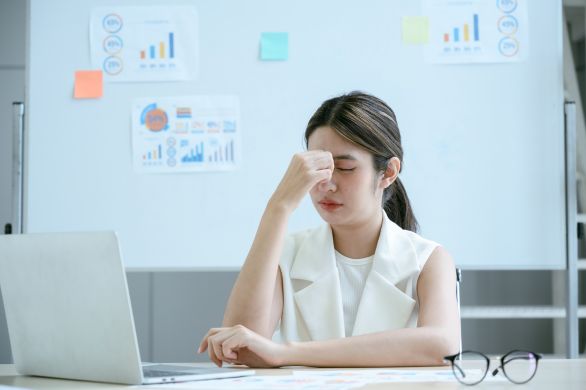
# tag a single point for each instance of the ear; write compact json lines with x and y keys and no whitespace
{"x":392,"y":172}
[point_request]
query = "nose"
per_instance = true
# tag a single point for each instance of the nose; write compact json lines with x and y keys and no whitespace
{"x":327,"y":185}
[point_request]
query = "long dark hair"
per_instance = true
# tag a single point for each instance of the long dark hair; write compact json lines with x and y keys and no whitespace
{"x":370,"y":123}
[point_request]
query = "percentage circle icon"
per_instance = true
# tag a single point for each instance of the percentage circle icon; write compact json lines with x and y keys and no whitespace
{"x":508,"y":25}
{"x":156,"y":120}
{"x":113,"y":65}
{"x":113,"y":44}
{"x":508,"y":46}
{"x":507,"y":6}
{"x":112,"y":23}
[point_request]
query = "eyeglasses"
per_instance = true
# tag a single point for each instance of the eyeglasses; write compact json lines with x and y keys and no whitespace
{"x":471,"y":367}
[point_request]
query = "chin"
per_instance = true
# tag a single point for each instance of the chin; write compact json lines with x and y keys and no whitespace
{"x":332,"y":218}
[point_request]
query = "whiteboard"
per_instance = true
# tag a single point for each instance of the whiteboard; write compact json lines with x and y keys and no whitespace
{"x":484,"y":155}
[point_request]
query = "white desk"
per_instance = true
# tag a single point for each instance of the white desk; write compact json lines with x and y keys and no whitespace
{"x":553,"y":374}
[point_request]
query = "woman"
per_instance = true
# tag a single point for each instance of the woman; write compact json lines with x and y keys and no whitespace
{"x":362,"y":291}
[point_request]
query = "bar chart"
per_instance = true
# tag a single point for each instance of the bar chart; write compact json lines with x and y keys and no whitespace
{"x":195,"y":154}
{"x":476,"y":31}
{"x":201,"y":133}
{"x":132,"y":43}
{"x":465,"y":36}
{"x":153,"y":155}
{"x":221,"y":152}
{"x":161,"y":50}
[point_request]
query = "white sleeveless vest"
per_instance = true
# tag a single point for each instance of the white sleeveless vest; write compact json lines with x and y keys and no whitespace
{"x":312,"y":303}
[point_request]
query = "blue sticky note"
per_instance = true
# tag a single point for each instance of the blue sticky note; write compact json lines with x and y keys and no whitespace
{"x":274,"y":46}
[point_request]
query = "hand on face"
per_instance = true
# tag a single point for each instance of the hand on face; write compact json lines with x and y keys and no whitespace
{"x":305,"y":171}
{"x":240,"y":345}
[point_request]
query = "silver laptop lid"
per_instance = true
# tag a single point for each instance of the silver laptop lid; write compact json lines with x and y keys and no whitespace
{"x":67,"y":307}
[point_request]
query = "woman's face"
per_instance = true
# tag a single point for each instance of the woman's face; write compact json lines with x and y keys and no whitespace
{"x":354,"y":193}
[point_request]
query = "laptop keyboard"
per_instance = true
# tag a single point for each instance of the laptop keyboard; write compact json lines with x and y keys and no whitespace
{"x":149,"y":372}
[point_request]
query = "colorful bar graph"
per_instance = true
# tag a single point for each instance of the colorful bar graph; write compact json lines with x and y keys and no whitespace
{"x":155,"y":154}
{"x":195,"y":154}
{"x":465,"y":32}
{"x":164,"y":49}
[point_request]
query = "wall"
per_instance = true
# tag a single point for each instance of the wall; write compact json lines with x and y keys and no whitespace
{"x":174,"y":310}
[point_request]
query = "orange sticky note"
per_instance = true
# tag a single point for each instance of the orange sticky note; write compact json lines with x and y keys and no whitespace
{"x":88,"y":84}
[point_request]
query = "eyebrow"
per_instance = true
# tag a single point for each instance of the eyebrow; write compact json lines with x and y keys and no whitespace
{"x":345,"y":157}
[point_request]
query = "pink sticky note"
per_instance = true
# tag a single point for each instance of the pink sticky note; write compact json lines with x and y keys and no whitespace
{"x":88,"y":84}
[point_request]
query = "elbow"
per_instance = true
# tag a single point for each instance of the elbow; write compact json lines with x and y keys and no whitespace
{"x":442,"y":344}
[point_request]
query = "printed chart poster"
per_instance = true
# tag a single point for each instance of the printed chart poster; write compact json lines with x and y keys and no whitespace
{"x":144,"y":43}
{"x":468,"y":31}
{"x":186,"y":134}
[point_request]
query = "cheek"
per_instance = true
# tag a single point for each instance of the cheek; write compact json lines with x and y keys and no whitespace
{"x":313,"y":193}
{"x":356,"y":182}
{"x":357,"y":186}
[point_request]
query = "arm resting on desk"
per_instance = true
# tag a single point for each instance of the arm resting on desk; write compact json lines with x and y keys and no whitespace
{"x":436,"y":336}
{"x":437,"y":333}
{"x":402,"y":347}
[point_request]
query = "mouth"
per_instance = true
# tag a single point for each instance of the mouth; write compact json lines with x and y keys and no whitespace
{"x":329,"y":205}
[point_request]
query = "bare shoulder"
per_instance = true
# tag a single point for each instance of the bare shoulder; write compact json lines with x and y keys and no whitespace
{"x":439,"y":265}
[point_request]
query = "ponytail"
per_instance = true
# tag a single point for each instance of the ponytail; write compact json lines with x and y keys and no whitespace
{"x":398,"y":207}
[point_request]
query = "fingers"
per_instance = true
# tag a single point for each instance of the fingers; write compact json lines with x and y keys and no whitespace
{"x":205,"y":345}
{"x":204,"y":342}
{"x":216,"y":349}
{"x":319,"y":165}
{"x":301,"y":176}
{"x":319,"y":159}
{"x":321,"y":176}
{"x":323,"y":168}
{"x":231,"y":344}
{"x":213,"y":342}
{"x":214,"y":358}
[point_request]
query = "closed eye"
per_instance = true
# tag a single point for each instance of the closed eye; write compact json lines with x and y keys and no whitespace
{"x":345,"y":169}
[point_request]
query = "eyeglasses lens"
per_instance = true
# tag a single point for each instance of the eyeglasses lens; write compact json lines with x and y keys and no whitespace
{"x":470,"y":368}
{"x":520,"y":366}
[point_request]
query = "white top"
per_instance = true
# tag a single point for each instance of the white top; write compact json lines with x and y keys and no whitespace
{"x":353,"y":274}
{"x":312,"y":289}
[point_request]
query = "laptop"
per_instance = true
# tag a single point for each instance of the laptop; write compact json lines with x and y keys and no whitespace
{"x":69,"y":315}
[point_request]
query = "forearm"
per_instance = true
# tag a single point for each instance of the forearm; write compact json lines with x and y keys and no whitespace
{"x":403,"y":347}
{"x":252,"y":296}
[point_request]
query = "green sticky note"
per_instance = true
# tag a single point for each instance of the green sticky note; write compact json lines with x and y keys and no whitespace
{"x":415,"y":30}
{"x":274,"y":46}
